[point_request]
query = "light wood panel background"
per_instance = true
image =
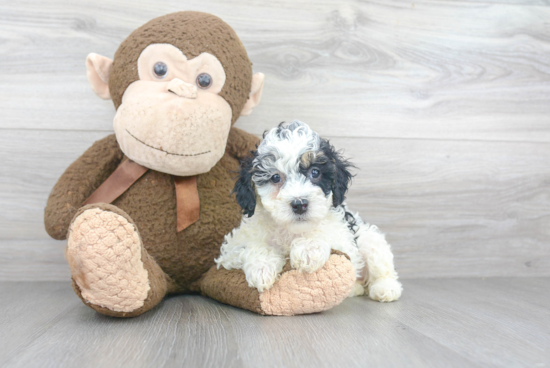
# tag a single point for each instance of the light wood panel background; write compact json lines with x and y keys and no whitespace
{"x":443,"y":105}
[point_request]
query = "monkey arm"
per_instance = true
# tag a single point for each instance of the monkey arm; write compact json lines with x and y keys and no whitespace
{"x":240,"y":143}
{"x":78,"y":182}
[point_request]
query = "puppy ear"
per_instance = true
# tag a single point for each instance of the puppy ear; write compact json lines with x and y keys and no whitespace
{"x":342,"y":180}
{"x":244,"y":188}
{"x":342,"y":175}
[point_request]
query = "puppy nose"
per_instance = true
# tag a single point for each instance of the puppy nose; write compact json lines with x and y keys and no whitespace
{"x":299,"y":206}
{"x":182,"y":88}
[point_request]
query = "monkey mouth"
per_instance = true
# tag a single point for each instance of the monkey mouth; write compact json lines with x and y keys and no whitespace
{"x":161,"y":150}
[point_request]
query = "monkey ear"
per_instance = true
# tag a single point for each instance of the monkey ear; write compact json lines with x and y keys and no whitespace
{"x":244,"y":189}
{"x":97,"y":70}
{"x":255,"y":96}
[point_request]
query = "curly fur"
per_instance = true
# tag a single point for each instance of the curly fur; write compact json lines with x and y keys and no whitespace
{"x":294,"y":165}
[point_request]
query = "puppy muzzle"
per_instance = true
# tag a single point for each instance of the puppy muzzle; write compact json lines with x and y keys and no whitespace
{"x":299,"y":206}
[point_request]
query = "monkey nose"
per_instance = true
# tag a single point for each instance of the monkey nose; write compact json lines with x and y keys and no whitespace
{"x":299,"y":206}
{"x":182,"y":88}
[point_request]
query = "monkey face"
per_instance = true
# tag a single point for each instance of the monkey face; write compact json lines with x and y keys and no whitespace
{"x":173,"y":119}
{"x":178,"y":83}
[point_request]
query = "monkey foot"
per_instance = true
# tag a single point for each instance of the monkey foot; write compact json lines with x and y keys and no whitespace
{"x":104,"y":252}
{"x":304,"y":293}
{"x":294,"y":293}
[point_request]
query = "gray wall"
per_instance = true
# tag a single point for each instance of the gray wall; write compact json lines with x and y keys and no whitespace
{"x":444,"y":106}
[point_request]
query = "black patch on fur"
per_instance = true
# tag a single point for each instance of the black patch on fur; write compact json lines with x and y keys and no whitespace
{"x":342,"y":176}
{"x":244,"y":187}
{"x":335,"y":174}
{"x":327,"y":169}
{"x":352,"y":223}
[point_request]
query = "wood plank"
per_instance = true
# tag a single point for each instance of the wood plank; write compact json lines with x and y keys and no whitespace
{"x":195,"y":331}
{"x":514,"y":2}
{"x":423,"y":69}
{"x":32,"y":162}
{"x":318,"y":340}
{"x":33,"y":260}
{"x":449,"y":208}
{"x":182,"y":332}
{"x":472,"y":323}
{"x":28,"y":310}
{"x":456,"y":208}
{"x":438,"y":322}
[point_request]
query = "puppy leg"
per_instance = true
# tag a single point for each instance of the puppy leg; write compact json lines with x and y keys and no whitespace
{"x":261,"y":263}
{"x":309,"y":254}
{"x":379,"y":272}
{"x":262,"y":266}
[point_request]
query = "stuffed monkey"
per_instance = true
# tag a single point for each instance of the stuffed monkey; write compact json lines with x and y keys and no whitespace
{"x":145,"y":210}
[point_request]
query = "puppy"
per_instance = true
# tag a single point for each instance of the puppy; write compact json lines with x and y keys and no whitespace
{"x":292,"y":194}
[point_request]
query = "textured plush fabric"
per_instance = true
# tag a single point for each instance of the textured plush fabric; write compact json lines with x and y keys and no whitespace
{"x":241,"y":143}
{"x":104,"y":253}
{"x":78,"y":182}
{"x":144,"y":217}
{"x":158,"y":282}
{"x":193,"y":33}
{"x":230,"y":287}
{"x":184,"y":262}
{"x":303,"y":293}
{"x":151,"y":204}
{"x":121,"y":179}
{"x":294,"y":293}
{"x":184,"y":256}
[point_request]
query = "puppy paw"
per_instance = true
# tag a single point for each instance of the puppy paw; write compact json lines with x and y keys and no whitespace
{"x":357,"y":290}
{"x":308,"y":255}
{"x":261,"y":277}
{"x":385,"y":290}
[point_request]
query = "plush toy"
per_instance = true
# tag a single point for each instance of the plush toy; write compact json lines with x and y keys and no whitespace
{"x":145,"y":210}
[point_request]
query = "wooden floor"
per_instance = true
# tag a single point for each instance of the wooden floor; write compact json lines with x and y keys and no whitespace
{"x":470,"y":322}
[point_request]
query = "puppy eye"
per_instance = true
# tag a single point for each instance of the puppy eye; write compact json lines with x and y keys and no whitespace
{"x":276,"y":178}
{"x":315,"y":174}
{"x":160,"y":69}
{"x":204,"y":80}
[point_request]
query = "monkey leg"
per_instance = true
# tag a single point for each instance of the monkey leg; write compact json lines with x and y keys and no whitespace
{"x":111,"y":270}
{"x":294,"y":292}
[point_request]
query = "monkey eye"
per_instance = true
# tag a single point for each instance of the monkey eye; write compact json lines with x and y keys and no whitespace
{"x":276,"y":178}
{"x":315,"y":174}
{"x":204,"y":80}
{"x":160,"y":69}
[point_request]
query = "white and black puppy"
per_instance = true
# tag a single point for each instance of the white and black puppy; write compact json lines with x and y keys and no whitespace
{"x":292,"y":193}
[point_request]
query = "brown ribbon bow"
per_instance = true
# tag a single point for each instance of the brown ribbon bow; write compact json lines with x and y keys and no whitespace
{"x":128,"y":172}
